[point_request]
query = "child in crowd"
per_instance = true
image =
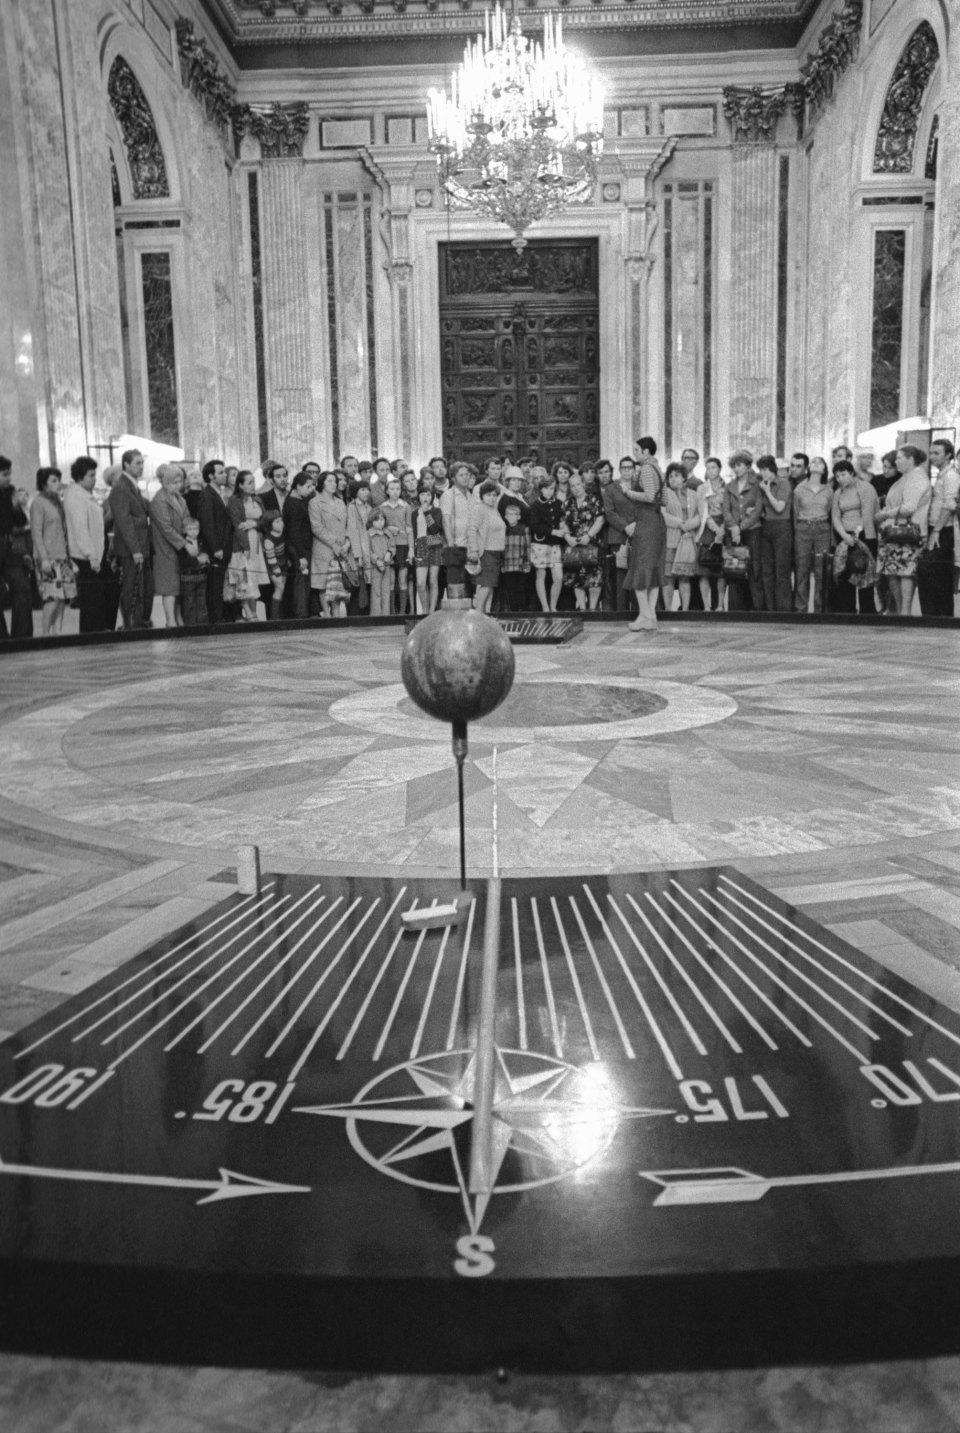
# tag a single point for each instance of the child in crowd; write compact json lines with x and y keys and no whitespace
{"x":515,"y":567}
{"x":400,"y":533}
{"x":277,"y":560}
{"x":381,"y":563}
{"x":427,"y":548}
{"x":485,"y":543}
{"x":193,"y":578}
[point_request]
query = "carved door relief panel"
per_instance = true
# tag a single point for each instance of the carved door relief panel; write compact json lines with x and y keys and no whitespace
{"x":520,"y":352}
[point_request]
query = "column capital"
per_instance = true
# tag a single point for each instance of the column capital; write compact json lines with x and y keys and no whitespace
{"x":753,"y":111}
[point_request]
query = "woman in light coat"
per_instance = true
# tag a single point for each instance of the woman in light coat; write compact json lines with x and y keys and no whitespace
{"x":48,"y":525}
{"x":168,"y":513}
{"x":328,"y":522}
{"x":907,"y":503}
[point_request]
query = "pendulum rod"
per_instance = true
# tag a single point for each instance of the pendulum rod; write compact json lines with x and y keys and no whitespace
{"x":481,"y":1150}
{"x":460,"y":753}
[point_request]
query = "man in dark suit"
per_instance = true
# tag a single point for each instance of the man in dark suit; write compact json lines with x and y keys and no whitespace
{"x":216,"y":537}
{"x":131,"y":542}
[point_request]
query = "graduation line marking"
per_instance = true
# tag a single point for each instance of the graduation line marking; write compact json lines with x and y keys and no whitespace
{"x":415,"y":1047}
{"x":334,"y":1007}
{"x":551,"y":1007}
{"x":818,"y":965}
{"x":369,"y":996}
{"x":671,"y":1059}
{"x":685,"y":975}
{"x":398,"y":998}
{"x":149,"y":975}
{"x":604,"y":985}
{"x":712,"y":944}
{"x":461,"y":976}
{"x":841,"y":960}
{"x":288,"y":930}
{"x":734,"y":999}
{"x":575,"y":979}
{"x":326,"y":973}
{"x":518,"y":964}
{"x":669,"y":996}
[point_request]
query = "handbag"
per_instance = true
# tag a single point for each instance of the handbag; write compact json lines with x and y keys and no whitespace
{"x":736,"y":561}
{"x":349,"y":571}
{"x":902,"y":534}
{"x":576,"y":557}
{"x":710,"y":553}
{"x":622,"y":557}
{"x":686,"y":551}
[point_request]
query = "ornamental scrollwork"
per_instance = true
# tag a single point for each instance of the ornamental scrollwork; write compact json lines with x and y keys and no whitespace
{"x":148,"y":171}
{"x":566,"y":269}
{"x":897,"y":134}
{"x":201,"y":75}
{"x":836,"y":49}
{"x":753,"y":111}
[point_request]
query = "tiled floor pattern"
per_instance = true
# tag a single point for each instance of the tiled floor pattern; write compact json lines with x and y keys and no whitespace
{"x":821,"y":761}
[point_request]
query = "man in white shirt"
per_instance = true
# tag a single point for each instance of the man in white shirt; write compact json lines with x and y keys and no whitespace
{"x":935,"y":566}
{"x":85,"y":542}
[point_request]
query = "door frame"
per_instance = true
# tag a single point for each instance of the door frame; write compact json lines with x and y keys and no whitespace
{"x":432,"y":228}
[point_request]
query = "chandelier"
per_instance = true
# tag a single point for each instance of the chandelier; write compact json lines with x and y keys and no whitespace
{"x":521,"y":132}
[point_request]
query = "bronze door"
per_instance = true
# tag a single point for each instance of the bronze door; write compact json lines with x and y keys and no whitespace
{"x":520,"y":356}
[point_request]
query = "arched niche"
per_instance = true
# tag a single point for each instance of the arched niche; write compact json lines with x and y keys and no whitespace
{"x":895,"y":146}
{"x":145,"y":158}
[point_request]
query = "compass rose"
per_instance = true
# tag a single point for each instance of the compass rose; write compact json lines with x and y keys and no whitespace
{"x":414,"y":1123}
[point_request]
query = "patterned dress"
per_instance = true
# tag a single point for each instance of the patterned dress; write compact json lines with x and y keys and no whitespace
{"x":580,"y":518}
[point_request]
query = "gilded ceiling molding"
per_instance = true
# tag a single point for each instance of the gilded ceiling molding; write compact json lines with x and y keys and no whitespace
{"x":148,"y":171}
{"x":753,"y":111}
{"x":897,"y":134}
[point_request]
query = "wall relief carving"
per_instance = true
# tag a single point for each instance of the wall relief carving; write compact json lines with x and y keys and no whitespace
{"x":836,"y":50}
{"x":897,"y":134}
{"x":555,"y":269}
{"x":201,"y":75}
{"x":148,"y":171}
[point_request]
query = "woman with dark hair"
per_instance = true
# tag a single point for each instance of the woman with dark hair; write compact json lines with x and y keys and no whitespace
{"x":247,"y":570}
{"x":358,"y":513}
{"x":583,"y":515}
{"x":328,"y":521}
{"x":903,"y":526}
{"x":648,"y":545}
{"x":299,"y":537}
{"x":710,"y":534}
{"x":682,"y":519}
{"x":548,"y":531}
{"x":854,"y":513}
{"x":48,"y":524}
{"x":427,"y":528}
{"x":812,"y":509}
{"x":560,"y":472}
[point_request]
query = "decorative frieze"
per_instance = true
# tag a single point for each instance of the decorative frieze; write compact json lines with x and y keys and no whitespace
{"x":148,"y":171}
{"x":753,"y":111}
{"x":897,"y":134}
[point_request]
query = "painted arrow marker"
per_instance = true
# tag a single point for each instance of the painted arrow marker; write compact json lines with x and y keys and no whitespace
{"x":230,"y":1185}
{"x":680,"y":1187}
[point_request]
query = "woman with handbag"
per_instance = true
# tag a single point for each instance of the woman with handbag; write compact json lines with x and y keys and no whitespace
{"x":583,"y":515}
{"x":710,"y":535}
{"x":903,"y":526}
{"x":682,"y":521}
{"x":331,"y":545}
{"x":48,"y":524}
{"x":854,"y":513}
{"x":247,"y":570}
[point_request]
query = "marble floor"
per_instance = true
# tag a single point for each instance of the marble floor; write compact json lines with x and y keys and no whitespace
{"x":820,"y":760}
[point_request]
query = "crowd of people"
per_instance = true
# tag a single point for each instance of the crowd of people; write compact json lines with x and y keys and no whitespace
{"x":378,"y":538}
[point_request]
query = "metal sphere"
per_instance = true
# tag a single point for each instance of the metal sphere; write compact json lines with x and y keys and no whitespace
{"x":457,"y":666}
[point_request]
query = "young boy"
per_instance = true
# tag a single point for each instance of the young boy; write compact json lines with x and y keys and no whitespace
{"x":381,"y":563}
{"x":193,"y":578}
{"x":485,"y":544}
{"x":515,"y":567}
{"x":399,"y":520}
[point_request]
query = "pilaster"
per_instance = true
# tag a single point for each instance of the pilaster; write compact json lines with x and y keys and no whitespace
{"x":753,"y":298}
{"x":945,"y":349}
{"x":286,"y":337}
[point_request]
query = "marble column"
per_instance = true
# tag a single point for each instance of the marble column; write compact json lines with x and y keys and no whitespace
{"x":286,"y":316}
{"x":349,"y":259}
{"x":31,"y":42}
{"x":945,"y":356}
{"x":752,"y":337}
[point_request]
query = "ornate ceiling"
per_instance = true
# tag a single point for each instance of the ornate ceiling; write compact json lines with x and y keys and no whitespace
{"x":264,"y":33}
